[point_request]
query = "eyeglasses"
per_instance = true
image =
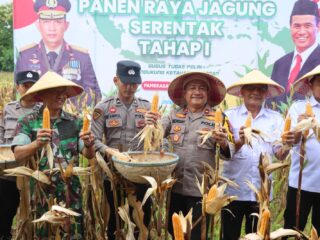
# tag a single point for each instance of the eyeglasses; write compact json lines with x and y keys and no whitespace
{"x":260,"y":88}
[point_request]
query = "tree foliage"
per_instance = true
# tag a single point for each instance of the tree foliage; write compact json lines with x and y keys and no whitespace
{"x":6,"y":38}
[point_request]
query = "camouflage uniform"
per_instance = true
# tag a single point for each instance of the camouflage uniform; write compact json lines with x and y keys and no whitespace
{"x":73,"y":63}
{"x":66,"y":146}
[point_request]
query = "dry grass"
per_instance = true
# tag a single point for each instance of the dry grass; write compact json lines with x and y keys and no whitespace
{"x":7,"y":91}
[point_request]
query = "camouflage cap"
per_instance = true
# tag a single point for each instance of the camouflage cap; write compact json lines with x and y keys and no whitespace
{"x":129,"y":72}
{"x":52,"y":9}
{"x":26,"y":76}
{"x":305,"y":7}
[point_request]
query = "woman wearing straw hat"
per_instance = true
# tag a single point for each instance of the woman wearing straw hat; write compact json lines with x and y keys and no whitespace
{"x":196,"y":93}
{"x":66,"y":140}
{"x":254,"y":88}
{"x":309,"y":86}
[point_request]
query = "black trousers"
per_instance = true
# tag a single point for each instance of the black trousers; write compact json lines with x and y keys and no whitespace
{"x":232,"y":217}
{"x":308,"y":200}
{"x":140,"y":192}
{"x":9,"y":202}
{"x":184,"y":204}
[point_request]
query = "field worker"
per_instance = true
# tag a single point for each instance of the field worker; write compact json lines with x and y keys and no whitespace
{"x":9,"y":194}
{"x":309,"y":86}
{"x":196,"y":93}
{"x":254,"y":88}
{"x":67,"y":141}
{"x":118,"y":119}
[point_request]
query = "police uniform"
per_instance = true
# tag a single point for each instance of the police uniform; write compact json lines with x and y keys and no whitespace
{"x":72,"y":62}
{"x":9,"y":194}
{"x":119,"y":123}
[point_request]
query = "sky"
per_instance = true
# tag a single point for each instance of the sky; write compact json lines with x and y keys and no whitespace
{"x":4,"y":1}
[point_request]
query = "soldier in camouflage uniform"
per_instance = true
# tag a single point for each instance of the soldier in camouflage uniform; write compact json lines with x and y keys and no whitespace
{"x":54,"y":54}
{"x":9,"y":194}
{"x":196,"y":94}
{"x":66,"y":140}
{"x":119,"y":118}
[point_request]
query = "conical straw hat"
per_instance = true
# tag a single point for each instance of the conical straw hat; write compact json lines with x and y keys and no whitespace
{"x":216,"y":93}
{"x":52,"y":80}
{"x":302,"y":84}
{"x":256,"y":77}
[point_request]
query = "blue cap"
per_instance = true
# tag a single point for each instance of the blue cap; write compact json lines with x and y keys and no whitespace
{"x":129,"y":72}
{"x":26,"y":76}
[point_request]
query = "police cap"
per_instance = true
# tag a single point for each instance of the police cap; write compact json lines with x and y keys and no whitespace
{"x":52,"y":9}
{"x":26,"y":76}
{"x":305,"y":7}
{"x":129,"y":72}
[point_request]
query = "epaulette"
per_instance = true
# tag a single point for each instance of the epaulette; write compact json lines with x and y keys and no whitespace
{"x":31,"y":45}
{"x":80,"y":49}
{"x":142,"y":99}
{"x":12,"y":103}
{"x":108,"y":99}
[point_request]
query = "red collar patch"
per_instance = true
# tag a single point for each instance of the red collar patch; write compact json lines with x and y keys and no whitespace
{"x":112,"y":109}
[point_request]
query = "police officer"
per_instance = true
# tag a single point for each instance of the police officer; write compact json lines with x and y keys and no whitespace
{"x":53,"y":53}
{"x":9,"y":194}
{"x":119,"y":118}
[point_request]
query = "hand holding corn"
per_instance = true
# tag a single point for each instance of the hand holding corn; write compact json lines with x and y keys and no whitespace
{"x":87,"y":138}
{"x":43,"y":137}
{"x":151,"y":117}
{"x":220,"y":136}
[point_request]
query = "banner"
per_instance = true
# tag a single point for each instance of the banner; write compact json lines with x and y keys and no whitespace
{"x":226,"y":38}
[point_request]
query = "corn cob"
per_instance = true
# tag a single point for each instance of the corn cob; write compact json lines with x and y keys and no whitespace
{"x":309,"y":111}
{"x":248,"y":120}
{"x":287,"y":124}
{"x":177,"y":227}
{"x":85,"y":126}
{"x":217,"y":118}
{"x":46,"y":118}
{"x":264,"y":222}
{"x":154,"y":103}
{"x":213,"y":192}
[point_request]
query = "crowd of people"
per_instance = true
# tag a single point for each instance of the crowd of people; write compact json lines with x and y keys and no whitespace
{"x":116,"y":120}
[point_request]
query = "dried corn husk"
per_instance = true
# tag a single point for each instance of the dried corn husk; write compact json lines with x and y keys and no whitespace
{"x":119,"y":155}
{"x":124,"y":214}
{"x":264,"y":223}
{"x":57,"y":215}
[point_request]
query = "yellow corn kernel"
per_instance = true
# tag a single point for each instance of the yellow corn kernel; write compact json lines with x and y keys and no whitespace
{"x":177,"y":227}
{"x":154,"y":103}
{"x":46,"y":118}
{"x":69,"y":170}
{"x":248,"y":122}
{"x":85,"y":126}
{"x":287,"y":124}
{"x":309,"y":111}
{"x":217,"y":118}
{"x":213,"y":192}
{"x":264,"y":222}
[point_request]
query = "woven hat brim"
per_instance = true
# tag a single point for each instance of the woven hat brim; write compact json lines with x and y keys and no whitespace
{"x":216,"y":94}
{"x":302,"y":84}
{"x":256,"y":77}
{"x":51,"y":80}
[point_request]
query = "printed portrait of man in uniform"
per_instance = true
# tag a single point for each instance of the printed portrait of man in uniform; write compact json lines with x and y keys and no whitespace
{"x":53,"y":53}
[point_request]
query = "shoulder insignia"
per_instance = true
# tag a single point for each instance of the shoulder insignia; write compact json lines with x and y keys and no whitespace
{"x":80,"y":49}
{"x":97,"y":113}
{"x":31,"y":45}
{"x":176,"y":128}
{"x":141,"y":110}
{"x":142,"y":99}
{"x":210,"y":117}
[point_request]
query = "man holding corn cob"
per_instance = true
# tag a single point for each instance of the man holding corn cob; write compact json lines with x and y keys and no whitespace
{"x":119,"y":119}
{"x":61,"y":132}
{"x":9,"y":194}
{"x":196,"y":93}
{"x":254,"y":88}
{"x":309,"y":187}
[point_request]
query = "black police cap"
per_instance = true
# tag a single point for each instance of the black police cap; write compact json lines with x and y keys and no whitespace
{"x":27,"y":76}
{"x":129,"y":72}
{"x":305,"y":7}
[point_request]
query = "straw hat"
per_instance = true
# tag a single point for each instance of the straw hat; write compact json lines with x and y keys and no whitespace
{"x":216,"y":94}
{"x":256,"y":77}
{"x":52,"y":80}
{"x":302,"y":84}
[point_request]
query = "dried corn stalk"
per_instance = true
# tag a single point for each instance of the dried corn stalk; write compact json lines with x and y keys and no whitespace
{"x":124,"y":214}
{"x":27,"y":172}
